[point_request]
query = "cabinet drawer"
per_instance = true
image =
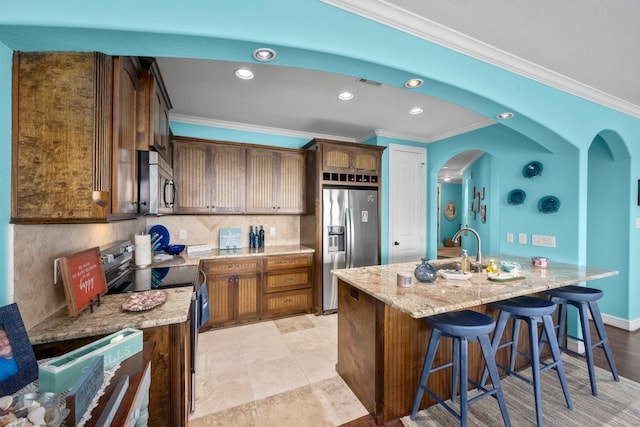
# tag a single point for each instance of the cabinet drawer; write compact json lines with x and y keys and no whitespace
{"x":287,"y":261}
{"x":287,"y":280}
{"x":240,"y":265}
{"x":281,"y":303}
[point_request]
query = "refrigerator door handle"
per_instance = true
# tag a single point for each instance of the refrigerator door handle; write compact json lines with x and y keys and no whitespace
{"x":349,"y":237}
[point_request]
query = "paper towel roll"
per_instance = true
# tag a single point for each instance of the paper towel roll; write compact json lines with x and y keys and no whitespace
{"x":143,"y":249}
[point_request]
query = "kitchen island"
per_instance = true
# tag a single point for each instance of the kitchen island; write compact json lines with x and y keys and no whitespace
{"x":382,"y":337}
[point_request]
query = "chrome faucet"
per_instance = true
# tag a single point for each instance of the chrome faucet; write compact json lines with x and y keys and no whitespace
{"x":456,"y":238}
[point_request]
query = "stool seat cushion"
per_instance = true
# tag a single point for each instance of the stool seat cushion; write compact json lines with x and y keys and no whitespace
{"x":465,"y":323}
{"x":526,"y":306}
{"x":576,"y":293}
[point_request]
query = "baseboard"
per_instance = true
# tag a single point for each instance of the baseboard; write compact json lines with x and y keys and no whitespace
{"x":627,"y":325}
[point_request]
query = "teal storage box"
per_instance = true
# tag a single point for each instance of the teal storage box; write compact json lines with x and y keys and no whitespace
{"x":61,"y":373}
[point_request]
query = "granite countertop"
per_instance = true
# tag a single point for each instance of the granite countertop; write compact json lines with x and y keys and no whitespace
{"x":236,"y":253}
{"x":109,"y":318}
{"x":426,"y":299}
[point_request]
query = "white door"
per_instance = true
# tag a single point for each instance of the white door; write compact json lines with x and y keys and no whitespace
{"x":407,"y":203}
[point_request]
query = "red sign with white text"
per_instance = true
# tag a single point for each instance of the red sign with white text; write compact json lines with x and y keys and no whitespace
{"x":83,"y":278}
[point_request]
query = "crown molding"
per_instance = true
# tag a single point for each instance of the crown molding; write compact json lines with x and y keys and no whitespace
{"x":395,"y":17}
{"x":448,"y":134}
{"x":203,"y":121}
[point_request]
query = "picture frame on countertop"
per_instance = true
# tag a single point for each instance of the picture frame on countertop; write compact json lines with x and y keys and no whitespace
{"x":84,"y":280}
{"x":18,"y":364}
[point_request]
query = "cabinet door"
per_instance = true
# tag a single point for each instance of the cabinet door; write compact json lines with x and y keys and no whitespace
{"x":338,"y":158}
{"x":191,"y":161}
{"x":126,"y":92}
{"x":246,"y":297}
{"x":275,"y":181}
{"x":160,"y":105}
{"x":61,"y":137}
{"x":227,"y":178}
{"x":233,"y":286}
{"x":262,"y":174}
{"x":220,"y":289}
{"x":291,"y":183}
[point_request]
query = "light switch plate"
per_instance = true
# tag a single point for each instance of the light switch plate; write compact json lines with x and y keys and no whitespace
{"x":637,"y":222}
{"x":272,"y":231}
{"x":522,"y":238}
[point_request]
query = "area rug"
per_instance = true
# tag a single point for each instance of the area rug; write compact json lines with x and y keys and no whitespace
{"x":617,"y":403}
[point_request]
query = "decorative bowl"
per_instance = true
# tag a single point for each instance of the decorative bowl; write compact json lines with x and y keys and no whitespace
{"x":174,"y":249}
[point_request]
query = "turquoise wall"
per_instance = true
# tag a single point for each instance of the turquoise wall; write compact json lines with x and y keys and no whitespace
{"x":345,"y":43}
{"x":5,"y":169}
{"x":607,"y":225}
{"x":450,"y":193}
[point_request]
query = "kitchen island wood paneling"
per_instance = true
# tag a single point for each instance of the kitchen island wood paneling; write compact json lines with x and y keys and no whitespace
{"x":382,"y":337}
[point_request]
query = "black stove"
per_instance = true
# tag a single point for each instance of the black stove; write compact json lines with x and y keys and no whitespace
{"x":123,"y":276}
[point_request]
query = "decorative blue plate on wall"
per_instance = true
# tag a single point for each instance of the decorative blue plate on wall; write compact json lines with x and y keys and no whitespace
{"x":532,"y":169}
{"x":162,"y":238}
{"x":549,"y":204}
{"x":516,"y":197}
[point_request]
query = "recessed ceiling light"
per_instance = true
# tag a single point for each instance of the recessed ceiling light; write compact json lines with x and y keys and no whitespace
{"x":345,"y":96}
{"x":416,"y":110}
{"x":504,"y":116}
{"x":413,"y":83}
{"x":264,"y":54}
{"x":446,"y":179}
{"x":244,"y":74}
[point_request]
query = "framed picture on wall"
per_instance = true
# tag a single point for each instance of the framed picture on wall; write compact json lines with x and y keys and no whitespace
{"x":451,"y":210}
{"x":18,"y":365}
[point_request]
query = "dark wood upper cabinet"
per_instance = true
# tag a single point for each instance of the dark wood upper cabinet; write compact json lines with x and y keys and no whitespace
{"x":210,"y":177}
{"x":275,"y":181}
{"x":127,"y":122}
{"x":62,"y":137}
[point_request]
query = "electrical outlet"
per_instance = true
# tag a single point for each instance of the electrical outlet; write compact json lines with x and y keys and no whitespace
{"x":272,"y":231}
{"x":183,"y":234}
{"x":57,"y":273}
{"x":522,"y":238}
{"x":509,"y":237}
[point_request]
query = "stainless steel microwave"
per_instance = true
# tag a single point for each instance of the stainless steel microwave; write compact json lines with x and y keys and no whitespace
{"x":156,"y":187}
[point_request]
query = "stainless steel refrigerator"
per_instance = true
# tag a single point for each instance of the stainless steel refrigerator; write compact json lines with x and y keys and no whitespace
{"x":349,"y":236}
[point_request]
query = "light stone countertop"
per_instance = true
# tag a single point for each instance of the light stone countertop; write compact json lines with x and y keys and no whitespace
{"x":109,"y":318}
{"x":182,"y":259}
{"x":426,"y":299}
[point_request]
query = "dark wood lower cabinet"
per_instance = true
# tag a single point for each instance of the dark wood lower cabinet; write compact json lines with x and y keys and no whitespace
{"x":170,"y":370}
{"x":249,"y":289}
{"x":381,"y":351}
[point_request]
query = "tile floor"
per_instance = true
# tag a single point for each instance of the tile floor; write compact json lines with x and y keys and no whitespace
{"x":274,"y":373}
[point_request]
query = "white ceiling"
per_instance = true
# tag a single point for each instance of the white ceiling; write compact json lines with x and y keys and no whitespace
{"x":587,"y":47}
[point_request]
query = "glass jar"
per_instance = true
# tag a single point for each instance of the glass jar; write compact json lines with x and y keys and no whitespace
{"x":425,"y":272}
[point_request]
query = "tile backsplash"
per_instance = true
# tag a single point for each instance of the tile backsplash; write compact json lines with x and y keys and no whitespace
{"x":201,"y":229}
{"x":36,"y":246}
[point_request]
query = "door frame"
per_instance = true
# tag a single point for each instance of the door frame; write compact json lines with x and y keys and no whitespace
{"x":395,"y":197}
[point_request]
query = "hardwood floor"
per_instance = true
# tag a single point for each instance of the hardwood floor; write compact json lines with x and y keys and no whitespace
{"x":624,"y":345}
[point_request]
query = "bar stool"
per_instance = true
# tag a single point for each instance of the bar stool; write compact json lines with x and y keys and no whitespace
{"x":581,"y":298}
{"x":462,"y":327}
{"x":532,"y":311}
